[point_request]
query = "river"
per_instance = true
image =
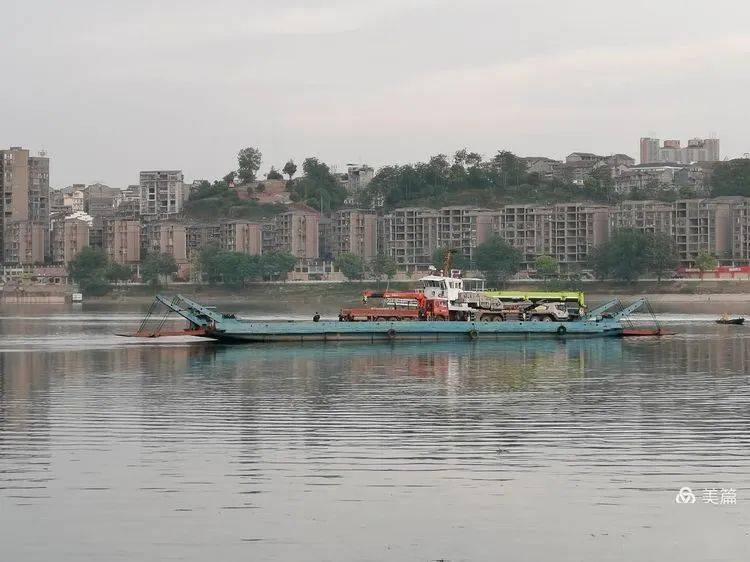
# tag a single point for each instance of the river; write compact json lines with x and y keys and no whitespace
{"x":120,"y":449}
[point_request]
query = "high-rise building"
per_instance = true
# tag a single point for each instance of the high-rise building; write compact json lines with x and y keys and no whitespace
{"x":162,"y":192}
{"x":24,"y":184}
{"x":697,"y":150}
{"x":649,"y":150}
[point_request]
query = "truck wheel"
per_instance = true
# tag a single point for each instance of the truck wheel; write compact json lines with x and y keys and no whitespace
{"x":499,"y":318}
{"x":380,"y":319}
{"x":547,"y":319}
{"x":391,"y":333}
{"x":486,"y":318}
{"x":562,"y":330}
{"x":473,"y":334}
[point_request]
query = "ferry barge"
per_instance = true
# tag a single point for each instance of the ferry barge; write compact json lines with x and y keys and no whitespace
{"x":209,"y":323}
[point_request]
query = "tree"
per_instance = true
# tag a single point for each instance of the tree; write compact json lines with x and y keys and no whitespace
{"x":319,"y":187}
{"x":351,"y":265}
{"x":546,"y":267}
{"x":497,"y":259}
{"x":277,"y":264}
{"x":290,"y":168}
{"x":155,"y":266}
{"x":630,"y":253}
{"x":458,"y":260}
{"x":704,"y":261}
{"x":248,"y":164}
{"x":384,"y":266}
{"x":117,"y":272}
{"x":731,"y":178}
{"x":88,"y":269}
{"x":273,"y":174}
{"x":661,"y":255}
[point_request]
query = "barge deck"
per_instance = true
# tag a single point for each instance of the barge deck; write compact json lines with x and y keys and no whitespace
{"x":209,"y":323}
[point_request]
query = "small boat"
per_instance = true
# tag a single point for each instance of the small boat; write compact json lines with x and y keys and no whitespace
{"x":732,"y":321}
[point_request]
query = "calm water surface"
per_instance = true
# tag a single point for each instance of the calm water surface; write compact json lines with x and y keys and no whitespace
{"x":113,"y":448}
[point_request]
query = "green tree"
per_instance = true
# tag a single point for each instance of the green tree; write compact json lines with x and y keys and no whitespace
{"x":351,"y":265}
{"x":290,"y":168}
{"x":601,"y":183}
{"x":318,"y":187}
{"x":624,"y":257}
{"x":276,"y":265}
{"x":156,"y":266}
{"x":384,"y":266}
{"x":497,"y":259}
{"x":248,"y":164}
{"x":546,"y":267}
{"x":661,"y":255}
{"x":117,"y":272}
{"x":705,"y":261}
{"x":273,"y":174}
{"x":88,"y":269}
{"x":731,"y":178}
{"x":458,"y":260}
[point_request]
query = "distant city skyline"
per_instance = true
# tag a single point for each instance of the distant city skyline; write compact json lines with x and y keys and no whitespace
{"x":137,"y":86}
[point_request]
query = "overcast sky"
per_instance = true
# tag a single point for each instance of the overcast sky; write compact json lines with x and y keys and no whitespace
{"x":109,"y":88}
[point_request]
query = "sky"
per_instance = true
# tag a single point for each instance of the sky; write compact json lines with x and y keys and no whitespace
{"x":109,"y":88}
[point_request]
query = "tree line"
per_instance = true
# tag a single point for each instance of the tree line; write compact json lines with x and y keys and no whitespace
{"x":95,"y":273}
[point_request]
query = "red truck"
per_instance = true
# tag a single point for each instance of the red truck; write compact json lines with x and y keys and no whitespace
{"x":425,"y":309}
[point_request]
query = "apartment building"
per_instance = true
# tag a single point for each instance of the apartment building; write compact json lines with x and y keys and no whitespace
{"x":121,"y":240}
{"x":24,"y":184}
{"x":410,"y":236}
{"x":165,"y":237}
{"x":242,"y":236}
{"x":695,"y":225}
{"x":101,"y":200}
{"x":740,"y":218}
{"x":69,"y":235}
{"x":358,"y":177}
{"x":355,"y":232}
{"x":647,"y":216}
{"x":527,"y":228}
{"x":576,"y":230}
{"x":162,"y":192}
{"x":458,"y":228}
{"x":296,"y":232}
{"x":326,"y":238}
{"x":25,"y":242}
{"x":202,"y":235}
{"x":703,"y":225}
{"x":697,"y":150}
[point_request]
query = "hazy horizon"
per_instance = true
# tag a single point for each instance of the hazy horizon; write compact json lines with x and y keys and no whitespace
{"x":108,"y":90}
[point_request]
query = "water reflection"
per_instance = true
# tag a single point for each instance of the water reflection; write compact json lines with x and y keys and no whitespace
{"x":274,"y":451}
